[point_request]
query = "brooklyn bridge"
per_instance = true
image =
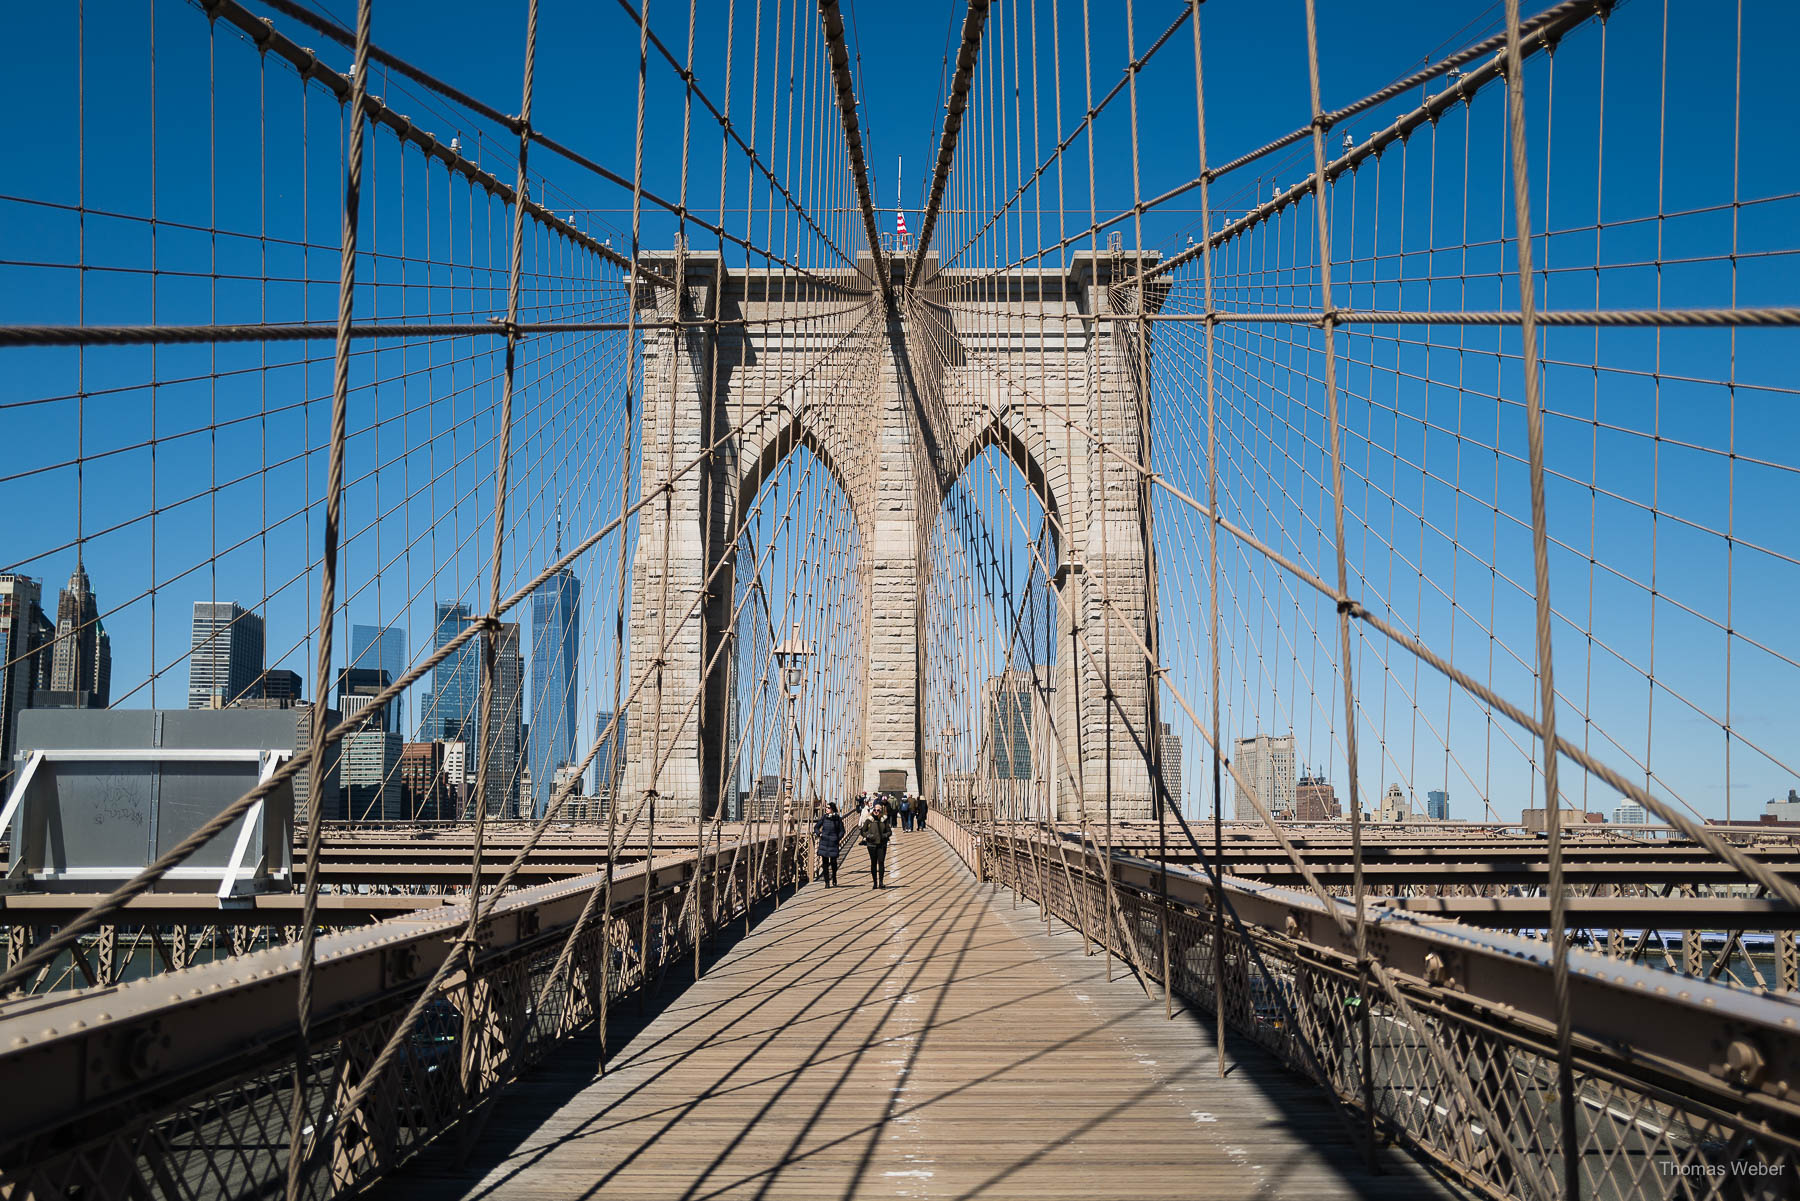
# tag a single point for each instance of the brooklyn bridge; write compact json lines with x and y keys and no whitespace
{"x":1248,"y":517}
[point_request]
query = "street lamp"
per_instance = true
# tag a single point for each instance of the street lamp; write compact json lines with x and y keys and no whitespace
{"x":790,"y":659}
{"x":949,"y":733}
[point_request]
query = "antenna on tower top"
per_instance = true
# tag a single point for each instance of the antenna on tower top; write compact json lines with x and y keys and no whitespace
{"x":558,"y":529}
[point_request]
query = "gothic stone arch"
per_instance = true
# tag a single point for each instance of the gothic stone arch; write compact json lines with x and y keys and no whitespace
{"x":896,"y":427}
{"x":1038,"y":373}
{"x":736,"y":403}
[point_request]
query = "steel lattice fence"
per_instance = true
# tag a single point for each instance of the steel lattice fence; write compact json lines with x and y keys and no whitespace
{"x":224,"y":1133}
{"x":1642,"y":1133}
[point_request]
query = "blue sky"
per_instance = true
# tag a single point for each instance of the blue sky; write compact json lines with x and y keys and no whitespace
{"x":226,"y":447}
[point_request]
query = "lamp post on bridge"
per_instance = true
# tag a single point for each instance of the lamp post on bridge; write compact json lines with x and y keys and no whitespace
{"x":790,"y":659}
{"x":949,"y":733}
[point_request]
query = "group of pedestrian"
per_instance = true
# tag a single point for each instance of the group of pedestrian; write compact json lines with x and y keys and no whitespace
{"x":912,"y":813}
{"x":876,"y":818}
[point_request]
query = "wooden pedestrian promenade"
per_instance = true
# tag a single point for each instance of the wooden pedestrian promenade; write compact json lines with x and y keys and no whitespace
{"x":930,"y":1040}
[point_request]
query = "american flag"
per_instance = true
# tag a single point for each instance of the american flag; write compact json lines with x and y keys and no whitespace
{"x":900,"y":224}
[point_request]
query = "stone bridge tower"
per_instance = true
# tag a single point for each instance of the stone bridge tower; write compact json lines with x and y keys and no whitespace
{"x":896,"y":406}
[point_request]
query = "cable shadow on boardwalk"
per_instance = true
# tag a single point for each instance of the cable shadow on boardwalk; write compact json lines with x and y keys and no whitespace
{"x":922,"y":1041}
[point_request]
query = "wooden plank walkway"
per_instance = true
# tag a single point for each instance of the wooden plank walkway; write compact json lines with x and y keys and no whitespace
{"x":930,"y":1040}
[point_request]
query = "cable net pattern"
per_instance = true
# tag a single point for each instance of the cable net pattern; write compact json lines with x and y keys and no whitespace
{"x":625,"y":490}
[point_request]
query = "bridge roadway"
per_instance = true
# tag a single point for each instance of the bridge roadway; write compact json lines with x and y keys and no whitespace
{"x":931,"y":1040}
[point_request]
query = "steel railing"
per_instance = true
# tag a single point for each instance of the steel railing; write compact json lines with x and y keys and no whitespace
{"x":1682,"y":1084}
{"x":180,"y":1086}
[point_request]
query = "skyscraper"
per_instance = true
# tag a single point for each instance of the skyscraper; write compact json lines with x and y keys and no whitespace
{"x":1267,"y":762}
{"x":1015,"y":747}
{"x":461,"y":774}
{"x":82,"y":658}
{"x":609,"y":763}
{"x":453,"y":706}
{"x":567,"y":778}
{"x":509,"y":711}
{"x":24,"y":639}
{"x":227,"y":657}
{"x":331,"y":794}
{"x":455,"y":682}
{"x":502,"y":791}
{"x":1169,"y":751}
{"x":373,"y":789}
{"x":555,"y":635}
{"x":425,"y":783}
{"x":1437,"y":805}
{"x":357,"y":687}
{"x":1394,"y":807}
{"x":382,"y":648}
{"x":1315,"y":800}
{"x":1009,"y":709}
{"x":282,"y":685}
{"x":765,"y":802}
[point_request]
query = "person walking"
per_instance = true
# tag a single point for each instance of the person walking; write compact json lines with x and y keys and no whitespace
{"x":874,"y":830}
{"x":829,"y":835}
{"x":919,"y":812}
{"x":906,"y":814}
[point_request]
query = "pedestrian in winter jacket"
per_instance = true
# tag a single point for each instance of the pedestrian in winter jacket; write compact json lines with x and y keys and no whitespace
{"x":828,"y":834}
{"x":874,"y":830}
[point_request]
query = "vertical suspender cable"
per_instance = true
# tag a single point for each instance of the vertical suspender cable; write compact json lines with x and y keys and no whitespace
{"x":728,"y":661}
{"x":1540,"y":557}
{"x":502,"y":457}
{"x":320,"y":744}
{"x":1334,"y":419}
{"x":631,"y":337}
{"x":1212,"y":545}
{"x":676,"y":338}
{"x":1153,"y":669}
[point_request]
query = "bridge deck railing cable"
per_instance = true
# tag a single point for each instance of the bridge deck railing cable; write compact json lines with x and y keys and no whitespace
{"x":1292,"y":987}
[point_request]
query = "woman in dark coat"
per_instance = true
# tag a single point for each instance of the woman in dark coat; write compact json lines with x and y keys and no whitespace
{"x":829,"y":834}
{"x":874,"y":831}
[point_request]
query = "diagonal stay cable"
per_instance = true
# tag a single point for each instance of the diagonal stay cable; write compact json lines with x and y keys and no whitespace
{"x":309,"y":66}
{"x":147,"y":877}
{"x":511,"y":124}
{"x":691,"y":80}
{"x":1087,"y":119}
{"x":974,"y":22}
{"x":833,"y":21}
